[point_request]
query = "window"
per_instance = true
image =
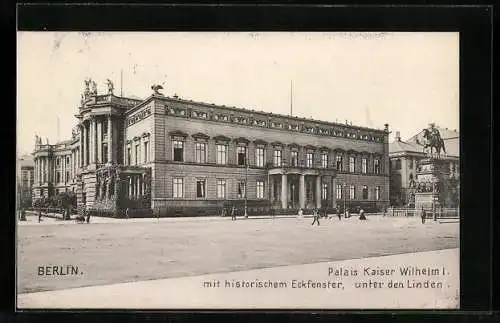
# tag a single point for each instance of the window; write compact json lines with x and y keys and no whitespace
{"x":352,"y":192}
{"x":294,"y":157}
{"x":201,"y":152}
{"x":352,"y":161}
{"x":58,"y":161}
{"x":146,"y":151}
{"x":67,"y":160}
{"x":364,"y":165}
{"x":339,"y":192}
{"x":277,"y":157}
{"x":241,"y":189}
{"x":136,"y":154}
{"x":104,"y":153}
{"x":242,"y":155}
{"x":309,"y":160}
{"x":365,"y":192}
{"x":104,"y":128}
{"x":338,"y":162}
{"x":324,"y":160}
{"x":377,"y":192}
{"x":260,"y":189}
{"x":324,"y":191}
{"x":178,"y":187}
{"x":178,"y":150}
{"x":259,"y":157}
{"x":376,"y":166}
{"x":128,"y":155}
{"x":67,"y":177}
{"x":410,"y":163}
{"x":58,"y":177}
{"x":397,"y":164}
{"x":221,"y":188}
{"x":221,"y":154}
{"x":200,"y":188}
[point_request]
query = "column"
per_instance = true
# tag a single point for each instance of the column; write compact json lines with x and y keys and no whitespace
{"x":284,"y":191}
{"x":94,"y":142}
{"x":98,"y":158}
{"x":318,"y":191}
{"x":84,"y":147}
{"x":110,"y":140}
{"x":302,"y":191}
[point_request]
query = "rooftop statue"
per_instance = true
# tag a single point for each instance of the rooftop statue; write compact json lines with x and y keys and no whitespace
{"x":110,"y":85}
{"x":156,"y":88}
{"x":94,"y":87}
{"x":433,"y":139}
{"x":86,"y":91}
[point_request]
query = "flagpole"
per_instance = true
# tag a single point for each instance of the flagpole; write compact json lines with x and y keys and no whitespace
{"x":291,"y":97}
{"x":121,"y":82}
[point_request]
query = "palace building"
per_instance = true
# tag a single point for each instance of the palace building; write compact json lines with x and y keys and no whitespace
{"x":177,"y":156}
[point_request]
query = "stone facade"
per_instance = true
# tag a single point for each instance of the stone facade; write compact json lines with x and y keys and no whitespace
{"x":200,"y":155}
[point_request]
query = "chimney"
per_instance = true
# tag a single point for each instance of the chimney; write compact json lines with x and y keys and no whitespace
{"x":398,"y":136}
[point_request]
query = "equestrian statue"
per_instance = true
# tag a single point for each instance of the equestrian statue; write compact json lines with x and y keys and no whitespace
{"x":433,"y":140}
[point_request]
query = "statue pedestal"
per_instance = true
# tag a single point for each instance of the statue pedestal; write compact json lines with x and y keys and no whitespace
{"x":432,"y":180}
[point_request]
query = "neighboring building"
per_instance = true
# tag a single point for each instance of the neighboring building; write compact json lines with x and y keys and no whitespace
{"x":25,"y":177}
{"x":167,"y":153}
{"x":404,"y":158}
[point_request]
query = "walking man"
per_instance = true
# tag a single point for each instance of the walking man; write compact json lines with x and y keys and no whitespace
{"x":424,"y":215}
{"x":339,"y":214}
{"x":315,"y":216}
{"x":39,"y":216}
{"x":233,"y":214}
{"x":362,"y":214}
{"x":127,"y":213}
{"x":300,"y":214}
{"x":88,"y":215}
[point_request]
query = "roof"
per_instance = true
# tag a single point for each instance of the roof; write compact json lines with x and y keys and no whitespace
{"x":451,"y":140}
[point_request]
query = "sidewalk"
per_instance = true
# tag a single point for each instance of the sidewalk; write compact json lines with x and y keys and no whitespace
{"x":273,"y":288}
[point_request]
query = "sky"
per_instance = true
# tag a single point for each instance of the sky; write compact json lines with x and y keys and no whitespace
{"x":407,"y":80}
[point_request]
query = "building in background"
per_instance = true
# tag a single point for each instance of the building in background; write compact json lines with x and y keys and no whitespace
{"x":25,"y":177}
{"x":178,"y":156}
{"x":405,"y":156}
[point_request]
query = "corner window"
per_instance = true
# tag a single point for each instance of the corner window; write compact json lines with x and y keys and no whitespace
{"x":338,"y":162}
{"x":260,"y":189}
{"x":376,"y":166}
{"x":364,"y":168}
{"x":221,"y":188}
{"x":352,"y":192}
{"x":324,"y":191}
{"x":338,"y":192}
{"x":324,"y":160}
{"x":241,"y":189}
{"x":377,"y":193}
{"x":365,"y":192}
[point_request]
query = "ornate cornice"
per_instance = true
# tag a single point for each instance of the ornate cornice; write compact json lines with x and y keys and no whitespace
{"x":200,"y":135}
{"x":178,"y":133}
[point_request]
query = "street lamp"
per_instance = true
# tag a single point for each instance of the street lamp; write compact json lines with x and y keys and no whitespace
{"x":293,"y":195}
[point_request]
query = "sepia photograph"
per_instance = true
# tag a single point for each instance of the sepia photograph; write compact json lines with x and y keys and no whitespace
{"x":238,"y":170}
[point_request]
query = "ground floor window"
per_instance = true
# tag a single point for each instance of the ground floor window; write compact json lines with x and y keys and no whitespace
{"x":178,"y":187}
{"x":260,"y":189}
{"x":377,"y":193}
{"x":352,"y":192}
{"x":339,"y":191}
{"x":221,"y":188}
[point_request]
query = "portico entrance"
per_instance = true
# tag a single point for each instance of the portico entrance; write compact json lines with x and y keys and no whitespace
{"x":297,"y":187}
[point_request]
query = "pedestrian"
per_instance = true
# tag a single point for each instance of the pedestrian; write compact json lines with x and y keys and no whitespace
{"x":362,"y":214}
{"x":39,"y":216}
{"x":88,"y":216}
{"x":339,"y":214}
{"x":315,"y":216}
{"x":273,"y":213}
{"x":385,"y":212}
{"x":300,"y":214}
{"x":424,"y":215}
{"x":233,"y":214}
{"x":127,"y":213}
